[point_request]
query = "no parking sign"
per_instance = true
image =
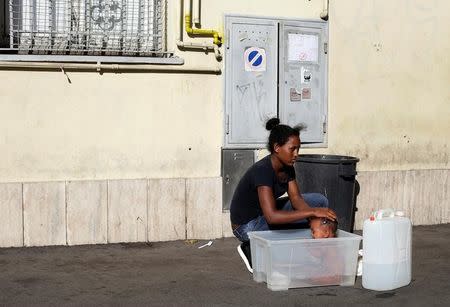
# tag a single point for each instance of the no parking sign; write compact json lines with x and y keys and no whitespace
{"x":255,"y":59}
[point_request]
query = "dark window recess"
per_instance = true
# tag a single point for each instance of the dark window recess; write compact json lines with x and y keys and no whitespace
{"x":4,"y":24}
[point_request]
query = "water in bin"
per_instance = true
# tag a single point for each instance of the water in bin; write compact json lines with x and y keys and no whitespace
{"x":333,"y":176}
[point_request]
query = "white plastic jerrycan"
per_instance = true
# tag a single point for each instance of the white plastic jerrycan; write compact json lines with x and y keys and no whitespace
{"x":387,"y":250}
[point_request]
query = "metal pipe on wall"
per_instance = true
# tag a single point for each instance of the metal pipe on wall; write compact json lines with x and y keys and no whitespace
{"x":324,"y":13}
{"x":188,"y":45}
{"x":107,"y":67}
{"x":196,"y":12}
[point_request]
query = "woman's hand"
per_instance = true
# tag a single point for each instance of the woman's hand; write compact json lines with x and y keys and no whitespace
{"x":325,"y":212}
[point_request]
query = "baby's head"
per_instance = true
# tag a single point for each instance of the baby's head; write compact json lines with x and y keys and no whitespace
{"x":322,"y":227}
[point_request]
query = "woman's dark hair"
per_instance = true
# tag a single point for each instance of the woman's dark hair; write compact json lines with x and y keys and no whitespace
{"x":279,"y":134}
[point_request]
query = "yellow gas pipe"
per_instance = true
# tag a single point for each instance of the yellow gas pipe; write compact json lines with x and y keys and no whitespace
{"x":215,"y":34}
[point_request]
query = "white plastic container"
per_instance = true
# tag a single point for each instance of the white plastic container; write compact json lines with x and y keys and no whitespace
{"x":386,"y":251}
{"x":292,"y":259}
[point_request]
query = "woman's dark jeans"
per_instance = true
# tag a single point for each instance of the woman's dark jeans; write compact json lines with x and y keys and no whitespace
{"x":314,"y":200}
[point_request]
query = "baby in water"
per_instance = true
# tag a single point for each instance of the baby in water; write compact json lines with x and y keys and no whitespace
{"x":324,"y":264}
{"x":329,"y":269}
{"x":322,"y":227}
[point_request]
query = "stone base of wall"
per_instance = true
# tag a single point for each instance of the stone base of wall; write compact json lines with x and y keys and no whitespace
{"x":111,"y":211}
{"x":424,"y":195}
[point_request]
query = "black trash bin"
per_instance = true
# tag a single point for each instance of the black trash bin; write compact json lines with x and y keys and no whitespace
{"x":334,"y":177}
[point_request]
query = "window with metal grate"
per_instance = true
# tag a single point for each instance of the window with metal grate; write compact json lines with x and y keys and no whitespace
{"x":84,"y":27}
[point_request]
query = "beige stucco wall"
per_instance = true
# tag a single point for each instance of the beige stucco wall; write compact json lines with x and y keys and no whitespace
{"x":109,"y":126}
{"x":388,"y":100}
{"x":389,"y":83}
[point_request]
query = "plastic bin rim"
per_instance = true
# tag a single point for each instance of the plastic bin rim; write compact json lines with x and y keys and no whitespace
{"x":352,"y":237}
{"x":331,"y":159}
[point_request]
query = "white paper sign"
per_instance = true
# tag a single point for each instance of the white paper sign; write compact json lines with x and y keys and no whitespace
{"x":303,"y":47}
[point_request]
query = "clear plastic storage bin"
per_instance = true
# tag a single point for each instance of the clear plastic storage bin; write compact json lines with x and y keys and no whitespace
{"x":292,"y":259}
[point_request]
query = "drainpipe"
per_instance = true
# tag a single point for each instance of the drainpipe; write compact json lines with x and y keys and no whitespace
{"x":204,"y":46}
{"x":196,"y":13}
{"x":324,"y":13}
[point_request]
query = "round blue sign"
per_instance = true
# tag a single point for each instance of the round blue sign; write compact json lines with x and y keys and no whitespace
{"x":255,"y":58}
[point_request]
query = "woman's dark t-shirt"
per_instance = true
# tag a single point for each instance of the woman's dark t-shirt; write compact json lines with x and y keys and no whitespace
{"x":245,"y":204}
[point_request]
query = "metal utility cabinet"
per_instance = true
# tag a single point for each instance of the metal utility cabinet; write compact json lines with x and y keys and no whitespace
{"x":234,"y":164}
{"x":273,"y":68}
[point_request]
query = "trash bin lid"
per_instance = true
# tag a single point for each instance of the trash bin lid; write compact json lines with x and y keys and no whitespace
{"x":331,"y":159}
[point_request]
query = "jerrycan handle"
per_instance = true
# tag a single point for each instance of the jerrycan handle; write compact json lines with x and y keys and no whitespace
{"x":384,"y":213}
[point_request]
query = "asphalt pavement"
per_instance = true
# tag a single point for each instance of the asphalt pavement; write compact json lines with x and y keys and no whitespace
{"x":179,"y":274}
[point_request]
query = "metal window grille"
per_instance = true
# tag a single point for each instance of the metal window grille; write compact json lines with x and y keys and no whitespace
{"x":88,"y":27}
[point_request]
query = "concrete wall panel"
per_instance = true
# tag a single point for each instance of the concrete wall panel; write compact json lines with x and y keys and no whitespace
{"x":204,"y":208}
{"x":380,"y":190}
{"x":166,"y":209}
{"x":86,"y":212}
{"x":44,"y":213}
{"x":173,"y":209}
{"x":226,"y":225}
{"x":446,"y":200}
{"x":11,"y":223}
{"x":422,"y":194}
{"x":127,"y":211}
{"x":426,"y":195}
